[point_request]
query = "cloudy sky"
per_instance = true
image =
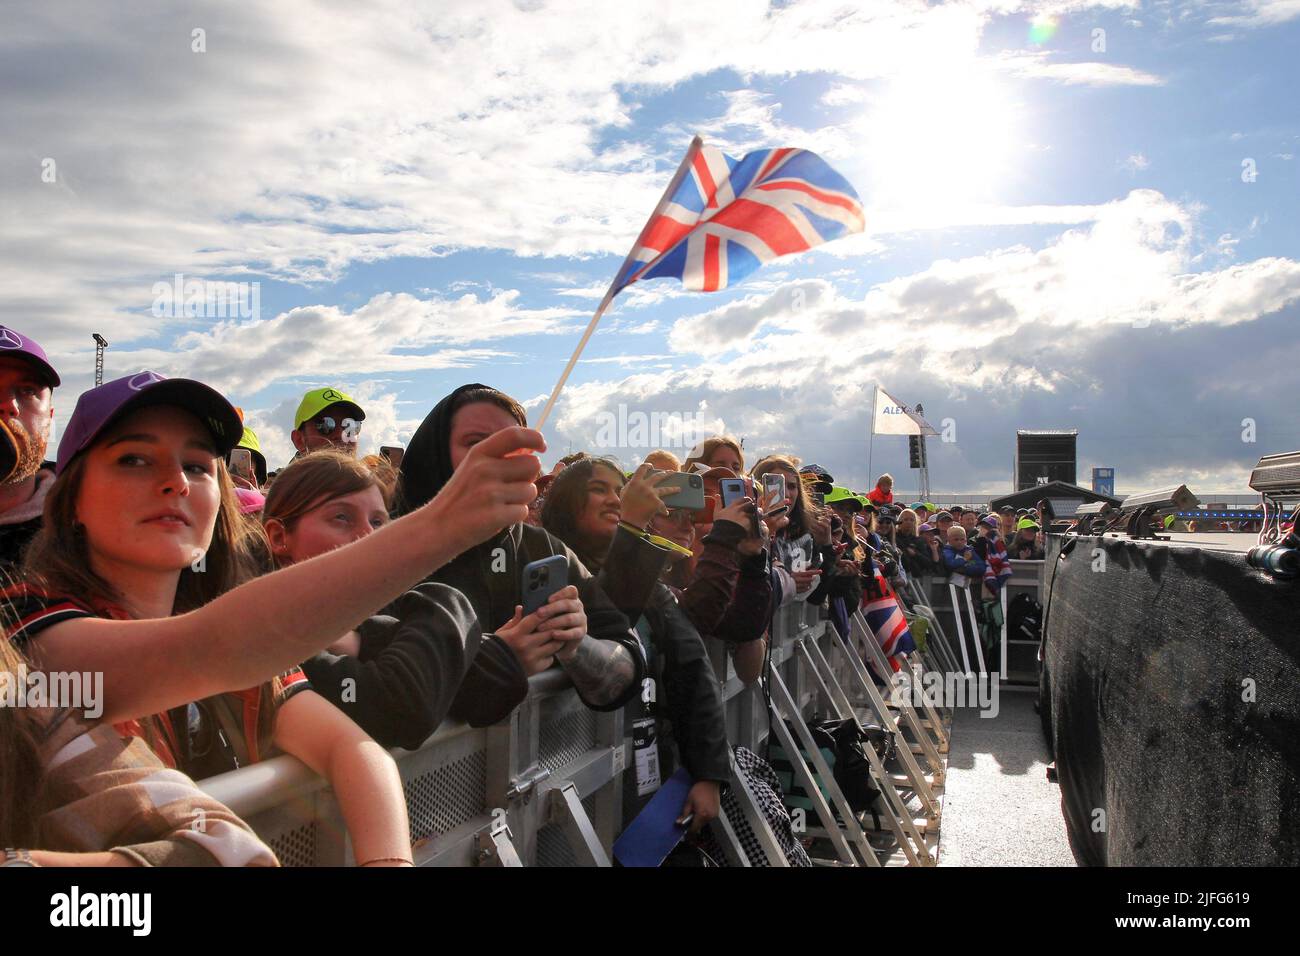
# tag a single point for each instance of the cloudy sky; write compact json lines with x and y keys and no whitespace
{"x":1079,"y":215}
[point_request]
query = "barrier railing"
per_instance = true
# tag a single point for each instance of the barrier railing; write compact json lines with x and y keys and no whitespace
{"x":1015,"y":658}
{"x":543,"y":788}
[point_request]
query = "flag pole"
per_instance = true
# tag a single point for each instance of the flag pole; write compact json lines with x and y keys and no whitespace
{"x":673,"y":183}
{"x":871,"y":442}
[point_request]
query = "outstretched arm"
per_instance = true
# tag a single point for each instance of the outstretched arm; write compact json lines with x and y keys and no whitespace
{"x":286,"y":617}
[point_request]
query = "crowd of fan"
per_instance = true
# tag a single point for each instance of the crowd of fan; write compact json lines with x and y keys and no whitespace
{"x":343,"y":606}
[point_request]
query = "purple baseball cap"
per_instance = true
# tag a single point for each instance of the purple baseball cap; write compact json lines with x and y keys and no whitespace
{"x":990,"y":520}
{"x":20,"y":346}
{"x":104,"y":404}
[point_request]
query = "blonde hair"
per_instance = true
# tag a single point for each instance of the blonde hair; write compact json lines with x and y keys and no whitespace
{"x":664,"y":460}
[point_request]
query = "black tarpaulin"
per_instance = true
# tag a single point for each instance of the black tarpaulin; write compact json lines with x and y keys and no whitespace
{"x":1174,"y":681}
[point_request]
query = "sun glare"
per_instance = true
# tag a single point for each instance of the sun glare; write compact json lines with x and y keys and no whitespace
{"x":938,"y":140}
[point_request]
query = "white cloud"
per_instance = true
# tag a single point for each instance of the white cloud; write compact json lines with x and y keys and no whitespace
{"x":1103,"y":325}
{"x":389,"y":333}
{"x":1259,"y":13}
{"x":1038,"y":64}
{"x":1135,"y":163}
{"x":309,"y":137}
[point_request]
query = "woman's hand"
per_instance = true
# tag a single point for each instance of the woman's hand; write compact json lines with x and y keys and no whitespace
{"x":642,"y":496}
{"x":777,"y":523}
{"x":819,"y":525}
{"x":804,"y":580}
{"x":349,"y":645}
{"x":845,"y":568}
{"x":755,"y":543}
{"x":563,"y":619}
{"x":743,"y":512}
{"x":703,"y":803}
{"x":534,"y":648}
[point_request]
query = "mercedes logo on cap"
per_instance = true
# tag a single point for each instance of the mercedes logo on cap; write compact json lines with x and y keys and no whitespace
{"x":143,"y":379}
{"x":332,"y":395}
{"x":8,"y":340}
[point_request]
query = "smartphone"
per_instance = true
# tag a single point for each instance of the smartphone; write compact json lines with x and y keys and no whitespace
{"x":818,"y":498}
{"x":732,"y":490}
{"x":241,"y":464}
{"x":541,"y":579}
{"x":393,"y":453}
{"x":773,"y":491}
{"x":690,"y":494}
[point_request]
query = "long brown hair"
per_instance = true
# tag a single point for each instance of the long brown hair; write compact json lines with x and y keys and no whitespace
{"x":565,"y":500}
{"x":798,"y":525}
{"x":22,"y":772}
{"x":58,"y":559}
{"x":704,"y":451}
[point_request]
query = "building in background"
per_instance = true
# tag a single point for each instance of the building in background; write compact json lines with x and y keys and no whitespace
{"x":1045,"y":455}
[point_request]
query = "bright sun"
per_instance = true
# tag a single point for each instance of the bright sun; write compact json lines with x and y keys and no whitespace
{"x":939,"y":140}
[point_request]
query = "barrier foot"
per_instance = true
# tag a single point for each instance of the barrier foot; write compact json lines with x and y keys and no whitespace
{"x":495,"y":846}
{"x":565,"y":808}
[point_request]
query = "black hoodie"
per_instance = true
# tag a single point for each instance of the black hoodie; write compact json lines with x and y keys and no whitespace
{"x":489,"y":574}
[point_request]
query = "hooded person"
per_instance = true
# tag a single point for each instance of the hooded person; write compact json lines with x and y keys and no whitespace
{"x":604,"y":662}
{"x":27,"y":383}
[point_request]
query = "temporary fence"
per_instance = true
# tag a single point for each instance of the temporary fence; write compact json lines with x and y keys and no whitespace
{"x":544,"y":788}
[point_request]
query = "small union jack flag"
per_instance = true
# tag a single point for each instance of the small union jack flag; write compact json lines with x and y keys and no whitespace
{"x":887,"y":623}
{"x":722,"y":218}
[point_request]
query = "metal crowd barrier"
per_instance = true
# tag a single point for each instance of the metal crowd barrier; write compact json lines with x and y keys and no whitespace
{"x":1016,"y":658}
{"x":543,"y":788}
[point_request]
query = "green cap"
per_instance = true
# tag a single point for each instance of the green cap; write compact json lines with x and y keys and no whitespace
{"x":1169,"y":519}
{"x":839,"y":495}
{"x":1026,"y":523}
{"x":319,"y":399}
{"x":250,"y":441}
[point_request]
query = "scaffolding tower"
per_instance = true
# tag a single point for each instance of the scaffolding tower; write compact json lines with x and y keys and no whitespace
{"x":100,"y":344}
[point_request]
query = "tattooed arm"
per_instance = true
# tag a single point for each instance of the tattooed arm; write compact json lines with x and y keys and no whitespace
{"x":603,"y":672}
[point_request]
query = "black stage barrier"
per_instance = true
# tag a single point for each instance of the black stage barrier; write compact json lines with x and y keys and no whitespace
{"x":1173,"y":677}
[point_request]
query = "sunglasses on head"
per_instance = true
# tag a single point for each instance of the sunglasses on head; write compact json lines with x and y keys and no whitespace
{"x":327,"y":424}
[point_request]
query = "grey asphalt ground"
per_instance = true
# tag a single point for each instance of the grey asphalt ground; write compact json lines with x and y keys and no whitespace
{"x":998,"y":807}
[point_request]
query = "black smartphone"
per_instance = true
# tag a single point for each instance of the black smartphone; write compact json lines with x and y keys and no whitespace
{"x":393,"y":453}
{"x":541,"y":579}
{"x":690,"y":493}
{"x":732,"y":490}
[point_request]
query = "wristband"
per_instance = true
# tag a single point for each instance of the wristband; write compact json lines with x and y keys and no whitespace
{"x":389,"y":859}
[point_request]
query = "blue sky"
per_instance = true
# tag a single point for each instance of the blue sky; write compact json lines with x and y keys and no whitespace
{"x":1059,"y":232}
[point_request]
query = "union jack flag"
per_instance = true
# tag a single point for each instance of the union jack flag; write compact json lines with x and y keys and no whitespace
{"x":721,"y":218}
{"x":887,"y":623}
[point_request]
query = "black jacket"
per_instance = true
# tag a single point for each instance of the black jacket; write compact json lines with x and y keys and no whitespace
{"x":489,"y":574}
{"x":422,"y":658}
{"x":690,"y":724}
{"x":688,"y":699}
